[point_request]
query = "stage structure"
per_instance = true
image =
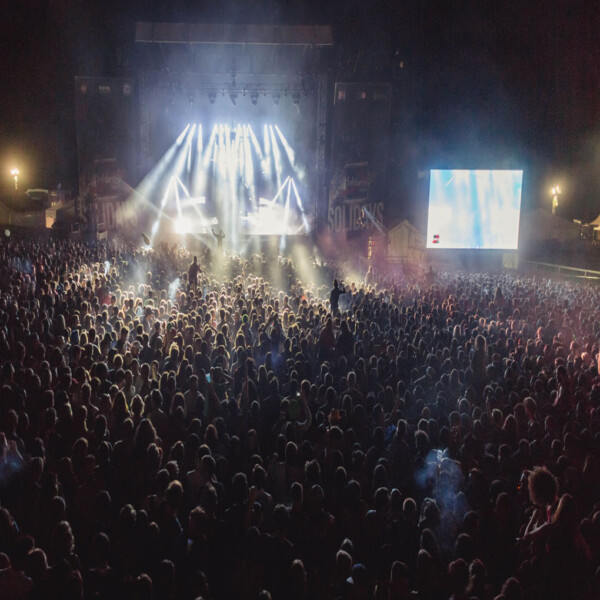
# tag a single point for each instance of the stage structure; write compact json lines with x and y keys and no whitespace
{"x":106,"y":143}
{"x":359,"y":156}
{"x":232,"y":129}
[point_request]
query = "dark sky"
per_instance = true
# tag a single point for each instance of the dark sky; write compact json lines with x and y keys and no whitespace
{"x":518,"y":81}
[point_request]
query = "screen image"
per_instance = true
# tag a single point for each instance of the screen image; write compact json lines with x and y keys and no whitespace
{"x":474,"y":209}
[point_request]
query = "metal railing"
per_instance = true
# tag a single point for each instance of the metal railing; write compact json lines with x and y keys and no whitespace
{"x":561,"y":269}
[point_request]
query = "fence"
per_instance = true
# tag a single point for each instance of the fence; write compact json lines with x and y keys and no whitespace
{"x":560,"y":270}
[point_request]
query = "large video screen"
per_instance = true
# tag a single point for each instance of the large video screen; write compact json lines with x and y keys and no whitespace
{"x":474,"y":209}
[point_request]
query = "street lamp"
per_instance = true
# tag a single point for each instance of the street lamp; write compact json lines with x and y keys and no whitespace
{"x":555,"y":194}
{"x":15,"y":176}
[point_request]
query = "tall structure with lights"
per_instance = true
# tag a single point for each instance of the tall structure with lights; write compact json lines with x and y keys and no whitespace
{"x":15,"y":176}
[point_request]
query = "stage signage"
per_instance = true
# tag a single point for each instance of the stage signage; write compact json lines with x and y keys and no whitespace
{"x":360,"y":130}
{"x":105,"y":134}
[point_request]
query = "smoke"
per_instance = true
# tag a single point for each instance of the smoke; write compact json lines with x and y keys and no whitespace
{"x":12,"y":463}
{"x":441,"y":480}
{"x":173,"y":287}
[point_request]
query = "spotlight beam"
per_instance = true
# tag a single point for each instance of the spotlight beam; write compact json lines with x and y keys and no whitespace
{"x":197,"y":175}
{"x":279,"y":191}
{"x":210,"y":147}
{"x":299,"y":203}
{"x":286,"y":213}
{"x":267,"y":141}
{"x":182,"y":135}
{"x":200,"y":140}
{"x":249,"y":166}
{"x":152,"y":180}
{"x":185,"y":190}
{"x":276,"y":155}
{"x":230,"y":186}
{"x":255,"y":143}
{"x":161,"y":211}
{"x":291,"y":155}
{"x":177,"y":202}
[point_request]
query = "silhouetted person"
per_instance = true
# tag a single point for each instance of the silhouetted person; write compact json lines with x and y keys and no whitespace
{"x":334,"y":297}
{"x":220,"y":237}
{"x":193,"y":272}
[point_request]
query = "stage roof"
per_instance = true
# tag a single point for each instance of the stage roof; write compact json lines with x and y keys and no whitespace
{"x":199,"y":33}
{"x":177,"y":48}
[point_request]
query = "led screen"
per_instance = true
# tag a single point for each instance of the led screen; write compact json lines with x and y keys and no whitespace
{"x":474,"y":209}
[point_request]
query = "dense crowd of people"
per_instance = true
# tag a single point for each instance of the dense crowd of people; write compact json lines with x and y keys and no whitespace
{"x":172,"y":428}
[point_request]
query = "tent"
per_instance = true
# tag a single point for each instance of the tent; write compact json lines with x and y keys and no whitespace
{"x":593,"y":229}
{"x":9,"y":217}
{"x":595,"y":223}
{"x":407,"y":243}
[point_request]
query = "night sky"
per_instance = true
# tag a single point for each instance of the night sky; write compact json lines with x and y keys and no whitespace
{"x":477,"y":83}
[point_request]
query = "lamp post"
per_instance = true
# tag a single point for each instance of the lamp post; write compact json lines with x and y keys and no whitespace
{"x":15,"y":176}
{"x":555,"y":194}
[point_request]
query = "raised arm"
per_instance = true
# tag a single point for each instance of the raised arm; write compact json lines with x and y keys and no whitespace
{"x":304,"y":426}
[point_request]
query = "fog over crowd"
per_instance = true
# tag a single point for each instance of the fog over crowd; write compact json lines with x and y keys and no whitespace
{"x":268,"y":427}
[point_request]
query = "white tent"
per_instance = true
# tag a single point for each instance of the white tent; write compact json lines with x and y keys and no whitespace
{"x":595,"y":223}
{"x":407,"y":243}
{"x":593,"y":229}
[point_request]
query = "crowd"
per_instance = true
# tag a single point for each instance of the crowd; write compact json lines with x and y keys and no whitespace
{"x":243,"y":433}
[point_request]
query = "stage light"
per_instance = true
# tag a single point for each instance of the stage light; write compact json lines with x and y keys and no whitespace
{"x":212,"y":96}
{"x":15,"y":176}
{"x":276,"y":98}
{"x":254,"y":98}
{"x":233,"y":97}
{"x":224,"y":173}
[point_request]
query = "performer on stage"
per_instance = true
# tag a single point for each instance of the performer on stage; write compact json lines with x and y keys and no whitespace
{"x":220,"y":237}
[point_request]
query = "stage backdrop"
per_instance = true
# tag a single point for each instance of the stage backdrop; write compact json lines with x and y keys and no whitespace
{"x":360,"y":128}
{"x":105,"y":112}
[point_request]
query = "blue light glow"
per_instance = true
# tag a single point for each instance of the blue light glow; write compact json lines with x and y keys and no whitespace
{"x":474,"y":209}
